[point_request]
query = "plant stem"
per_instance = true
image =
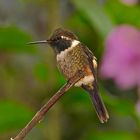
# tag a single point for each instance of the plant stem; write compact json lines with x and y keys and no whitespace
{"x":42,"y":112}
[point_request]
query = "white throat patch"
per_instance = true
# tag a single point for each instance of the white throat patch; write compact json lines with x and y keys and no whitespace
{"x":74,"y":43}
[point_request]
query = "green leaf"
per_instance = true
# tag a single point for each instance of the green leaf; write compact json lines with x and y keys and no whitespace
{"x":96,"y":14}
{"x":12,"y":39}
{"x":13,"y":115}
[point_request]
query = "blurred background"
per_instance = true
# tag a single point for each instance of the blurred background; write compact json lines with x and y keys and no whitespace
{"x":29,"y":75}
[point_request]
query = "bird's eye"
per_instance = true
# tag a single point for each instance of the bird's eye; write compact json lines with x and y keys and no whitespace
{"x":58,"y":38}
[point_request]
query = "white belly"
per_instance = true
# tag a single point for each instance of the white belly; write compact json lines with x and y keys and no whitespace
{"x":85,"y":81}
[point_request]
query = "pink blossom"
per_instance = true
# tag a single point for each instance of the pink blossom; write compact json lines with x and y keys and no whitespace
{"x":121,"y":59}
{"x":129,"y":2}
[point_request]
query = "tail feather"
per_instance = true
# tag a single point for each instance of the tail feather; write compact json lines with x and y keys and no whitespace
{"x":98,"y":103}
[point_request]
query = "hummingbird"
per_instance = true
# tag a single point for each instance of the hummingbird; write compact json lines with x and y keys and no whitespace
{"x":72,"y":56}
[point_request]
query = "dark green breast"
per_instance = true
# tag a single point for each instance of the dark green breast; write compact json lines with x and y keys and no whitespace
{"x":71,"y":60}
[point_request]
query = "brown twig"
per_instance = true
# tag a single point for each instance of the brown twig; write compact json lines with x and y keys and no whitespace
{"x":42,"y":112}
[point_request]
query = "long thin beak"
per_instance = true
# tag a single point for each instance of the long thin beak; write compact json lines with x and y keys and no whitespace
{"x":39,"y":42}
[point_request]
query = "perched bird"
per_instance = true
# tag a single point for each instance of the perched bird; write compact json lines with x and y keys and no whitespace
{"x":73,"y":56}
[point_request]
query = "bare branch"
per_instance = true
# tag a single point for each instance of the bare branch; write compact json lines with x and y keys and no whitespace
{"x":42,"y":112}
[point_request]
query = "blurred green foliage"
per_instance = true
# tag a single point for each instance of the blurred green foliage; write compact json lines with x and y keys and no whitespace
{"x":29,"y":75}
{"x":117,"y":135}
{"x":40,"y":72}
{"x":12,"y":39}
{"x":130,"y":14}
{"x":96,"y":14}
{"x":13,"y":115}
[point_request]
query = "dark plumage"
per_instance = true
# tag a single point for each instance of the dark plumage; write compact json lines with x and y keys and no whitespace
{"x":73,"y":56}
{"x":77,"y":57}
{"x":58,"y":42}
